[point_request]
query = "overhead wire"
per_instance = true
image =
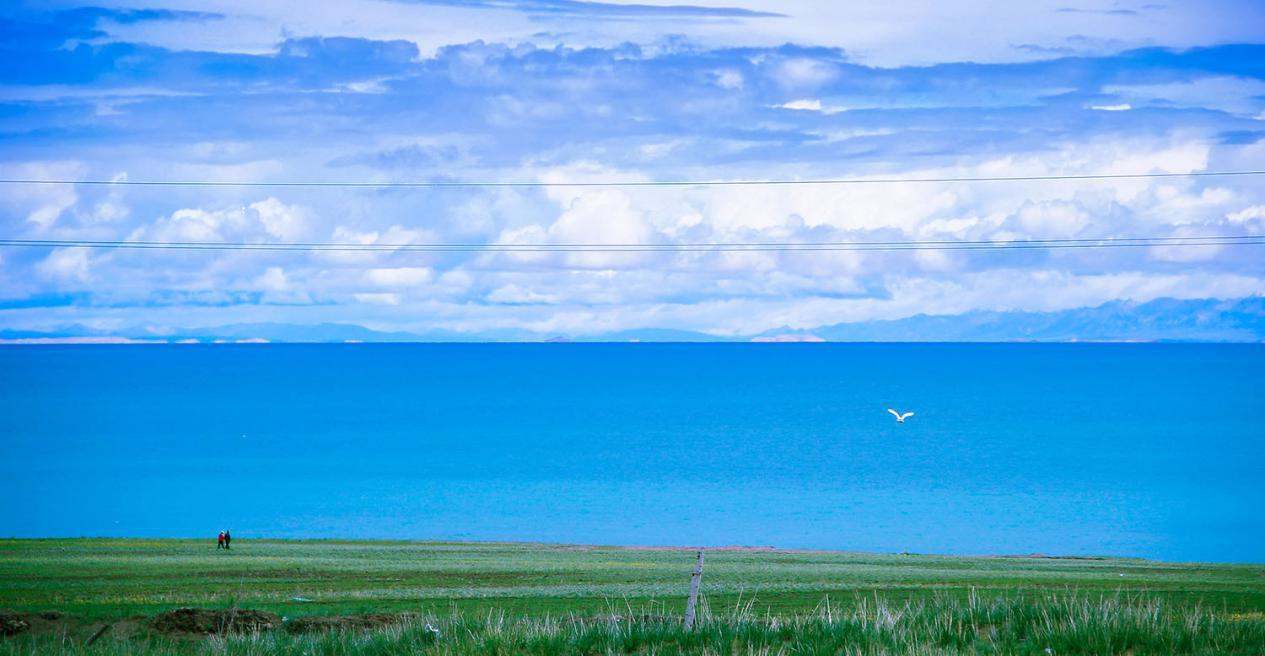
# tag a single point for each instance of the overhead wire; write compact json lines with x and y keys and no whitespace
{"x":835,"y":246}
{"x":620,"y":183}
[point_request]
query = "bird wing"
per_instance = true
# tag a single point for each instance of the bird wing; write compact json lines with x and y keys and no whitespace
{"x":894,"y":413}
{"x":905,"y":416}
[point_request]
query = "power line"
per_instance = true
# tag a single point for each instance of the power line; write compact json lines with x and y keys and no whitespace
{"x":912,"y":245}
{"x":618,"y":183}
{"x":399,"y":245}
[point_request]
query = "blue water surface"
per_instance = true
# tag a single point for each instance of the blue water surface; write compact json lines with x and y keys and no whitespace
{"x":1149,"y":450}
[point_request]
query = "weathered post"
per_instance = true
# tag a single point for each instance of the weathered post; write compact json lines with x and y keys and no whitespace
{"x":100,"y":632}
{"x":695,"y":580}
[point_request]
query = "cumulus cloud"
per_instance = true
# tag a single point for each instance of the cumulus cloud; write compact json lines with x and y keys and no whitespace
{"x":601,"y":217}
{"x":261,"y":221}
{"x":399,"y":276}
{"x":690,"y":108}
{"x":70,"y":265}
{"x":514,"y":294}
{"x":273,"y":279}
{"x":42,"y":205}
{"x":280,"y":221}
{"x":805,"y":73}
{"x":875,"y":31}
{"x":385,"y":239}
{"x":1252,"y":219}
{"x":1051,"y":219}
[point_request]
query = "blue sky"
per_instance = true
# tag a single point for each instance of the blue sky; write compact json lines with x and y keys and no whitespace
{"x":567,"y":90}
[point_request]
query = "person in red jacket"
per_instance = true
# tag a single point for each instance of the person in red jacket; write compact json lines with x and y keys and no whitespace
{"x":219,"y":543}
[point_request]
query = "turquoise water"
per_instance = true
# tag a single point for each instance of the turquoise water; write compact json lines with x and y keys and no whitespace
{"x":1151,"y":450}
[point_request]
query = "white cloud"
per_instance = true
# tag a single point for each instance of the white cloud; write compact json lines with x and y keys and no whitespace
{"x":803,"y":73}
{"x":1238,"y":95}
{"x":588,"y":216}
{"x":708,"y":120}
{"x":195,"y":225}
{"x":1249,"y":216}
{"x":514,"y":294}
{"x":109,"y":212}
{"x":395,"y":235}
{"x":659,"y":150}
{"x":399,"y":276}
{"x":729,"y":79}
{"x":528,"y":235}
{"x":602,"y":217}
{"x":582,"y":171}
{"x":374,"y":86}
{"x":1052,"y":219}
{"x":876,"y":32}
{"x":273,"y":279}
{"x":730,"y":293}
{"x":812,"y":105}
{"x":67,"y":265}
{"x":282,"y":222}
{"x":835,"y":136}
{"x":43,"y":205}
{"x":378,"y":298}
{"x":261,"y":221}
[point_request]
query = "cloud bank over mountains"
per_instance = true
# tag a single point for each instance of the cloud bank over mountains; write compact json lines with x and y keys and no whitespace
{"x":559,"y":91}
{"x":1161,"y":320}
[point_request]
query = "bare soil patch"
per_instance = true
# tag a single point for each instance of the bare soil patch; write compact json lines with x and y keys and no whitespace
{"x":13,"y":623}
{"x":206,"y":621}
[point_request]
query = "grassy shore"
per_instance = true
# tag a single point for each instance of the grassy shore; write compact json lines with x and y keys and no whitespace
{"x":1041,"y":627}
{"x":509,"y":598}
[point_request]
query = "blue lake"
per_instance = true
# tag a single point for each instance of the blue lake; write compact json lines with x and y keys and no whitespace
{"x":1149,"y":450}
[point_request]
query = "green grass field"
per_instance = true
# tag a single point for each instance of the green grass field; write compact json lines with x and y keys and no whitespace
{"x":552,"y":594}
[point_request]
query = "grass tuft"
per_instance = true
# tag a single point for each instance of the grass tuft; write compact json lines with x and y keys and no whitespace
{"x":1052,"y":625}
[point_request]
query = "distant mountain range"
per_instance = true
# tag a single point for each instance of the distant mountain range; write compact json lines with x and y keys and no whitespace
{"x":1206,"y":320}
{"x":1166,"y":319}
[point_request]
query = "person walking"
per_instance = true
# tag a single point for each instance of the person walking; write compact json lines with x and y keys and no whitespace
{"x":219,"y":542}
{"x":228,"y":539}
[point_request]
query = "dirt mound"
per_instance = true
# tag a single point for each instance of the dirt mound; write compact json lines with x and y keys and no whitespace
{"x":213,"y":621}
{"x":13,"y":623}
{"x":369,"y":622}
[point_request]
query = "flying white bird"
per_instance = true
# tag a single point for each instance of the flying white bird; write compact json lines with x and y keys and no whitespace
{"x":900,"y":419}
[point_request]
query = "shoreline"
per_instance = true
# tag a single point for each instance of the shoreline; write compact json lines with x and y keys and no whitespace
{"x":650,"y":548}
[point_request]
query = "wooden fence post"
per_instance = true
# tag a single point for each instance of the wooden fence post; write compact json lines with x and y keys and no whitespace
{"x":695,"y":580}
{"x":100,"y":632}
